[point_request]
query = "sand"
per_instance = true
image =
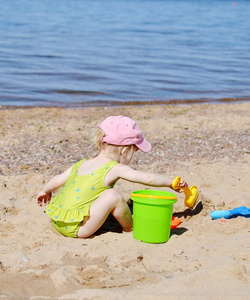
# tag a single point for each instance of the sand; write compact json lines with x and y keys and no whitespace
{"x":207,"y":145}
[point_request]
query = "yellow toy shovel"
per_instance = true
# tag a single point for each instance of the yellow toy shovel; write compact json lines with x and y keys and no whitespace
{"x":191,"y":193}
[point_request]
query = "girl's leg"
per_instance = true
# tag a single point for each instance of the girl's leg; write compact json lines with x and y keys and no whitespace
{"x":108,"y":201}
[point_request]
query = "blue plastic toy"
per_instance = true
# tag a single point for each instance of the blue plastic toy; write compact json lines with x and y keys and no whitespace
{"x":226,"y":214}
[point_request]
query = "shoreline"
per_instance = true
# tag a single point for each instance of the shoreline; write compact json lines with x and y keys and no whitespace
{"x":207,"y":145}
{"x":101,"y":103}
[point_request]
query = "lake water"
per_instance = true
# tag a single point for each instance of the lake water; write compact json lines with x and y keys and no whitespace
{"x":95,"y":52}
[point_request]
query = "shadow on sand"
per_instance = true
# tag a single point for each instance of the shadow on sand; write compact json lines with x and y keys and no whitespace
{"x":189,"y":212}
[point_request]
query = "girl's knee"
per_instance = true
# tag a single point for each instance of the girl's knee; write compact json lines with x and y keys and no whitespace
{"x":114,"y":197}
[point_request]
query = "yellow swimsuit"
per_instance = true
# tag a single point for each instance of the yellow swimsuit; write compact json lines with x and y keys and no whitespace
{"x":68,"y":209}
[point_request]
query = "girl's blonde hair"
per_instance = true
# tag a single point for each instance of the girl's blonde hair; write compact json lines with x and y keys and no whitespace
{"x":99,"y":135}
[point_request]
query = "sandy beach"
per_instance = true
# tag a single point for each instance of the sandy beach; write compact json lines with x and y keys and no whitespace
{"x":206,"y":144}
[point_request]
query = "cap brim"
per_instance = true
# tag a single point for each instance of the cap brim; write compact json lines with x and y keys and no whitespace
{"x":144,"y":146}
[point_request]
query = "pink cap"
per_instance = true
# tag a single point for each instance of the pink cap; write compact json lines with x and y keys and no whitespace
{"x":121,"y":131}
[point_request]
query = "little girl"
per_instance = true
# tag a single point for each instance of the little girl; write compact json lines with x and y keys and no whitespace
{"x":87,"y":195}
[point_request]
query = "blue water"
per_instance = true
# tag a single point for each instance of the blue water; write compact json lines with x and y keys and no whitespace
{"x":76,"y":52}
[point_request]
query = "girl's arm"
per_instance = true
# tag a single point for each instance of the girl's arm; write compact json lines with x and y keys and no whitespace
{"x":129,"y":174}
{"x":55,"y":183}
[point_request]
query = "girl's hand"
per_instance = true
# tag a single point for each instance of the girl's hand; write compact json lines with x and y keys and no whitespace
{"x":181,"y":186}
{"x":43,"y":198}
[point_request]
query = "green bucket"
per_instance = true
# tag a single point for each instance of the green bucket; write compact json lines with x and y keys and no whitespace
{"x":152,"y":215}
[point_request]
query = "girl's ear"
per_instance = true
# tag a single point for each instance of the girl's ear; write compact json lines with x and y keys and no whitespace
{"x":124,"y":150}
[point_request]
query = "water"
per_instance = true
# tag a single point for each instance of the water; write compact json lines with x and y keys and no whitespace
{"x":78,"y":53}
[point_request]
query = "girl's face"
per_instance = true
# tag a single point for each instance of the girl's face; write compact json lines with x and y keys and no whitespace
{"x":127,"y":154}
